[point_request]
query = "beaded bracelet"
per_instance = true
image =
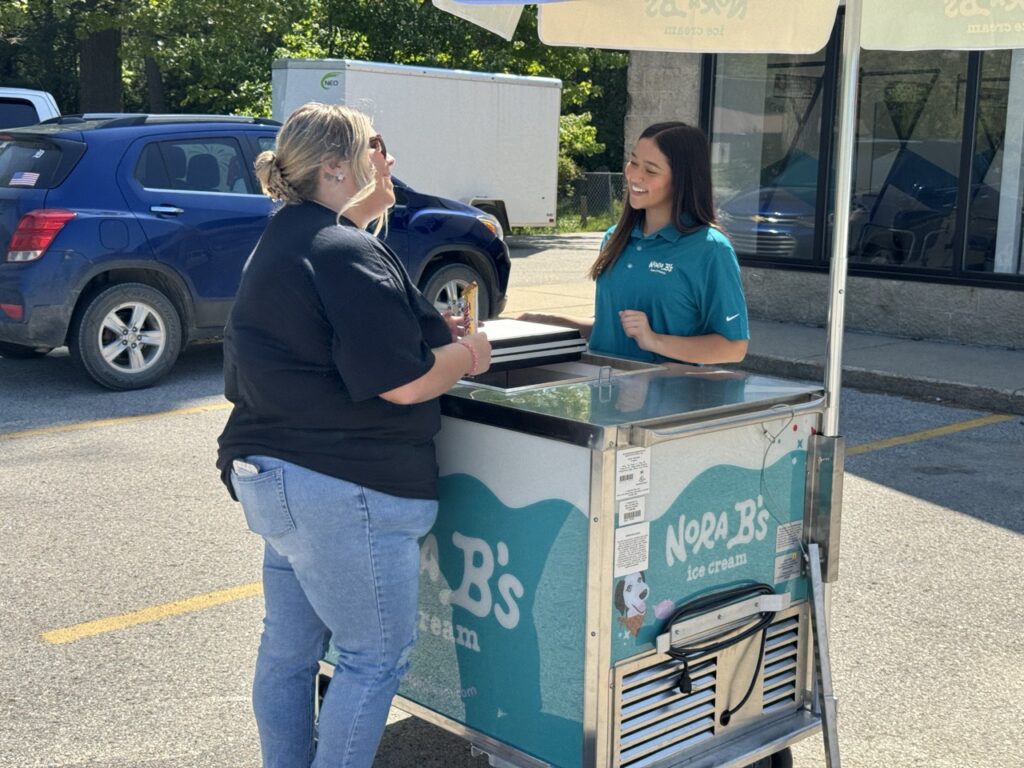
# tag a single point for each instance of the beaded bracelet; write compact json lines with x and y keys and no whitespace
{"x":472,"y":355}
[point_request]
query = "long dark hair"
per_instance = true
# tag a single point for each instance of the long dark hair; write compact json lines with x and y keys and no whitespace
{"x":689,"y":161}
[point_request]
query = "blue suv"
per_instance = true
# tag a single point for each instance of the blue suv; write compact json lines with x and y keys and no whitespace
{"x":126,"y":235}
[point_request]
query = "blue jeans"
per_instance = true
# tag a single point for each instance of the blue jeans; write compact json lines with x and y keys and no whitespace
{"x":340,"y":560}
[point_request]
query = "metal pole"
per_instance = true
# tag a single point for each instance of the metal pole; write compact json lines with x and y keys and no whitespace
{"x":825,"y":698}
{"x":841,"y":230}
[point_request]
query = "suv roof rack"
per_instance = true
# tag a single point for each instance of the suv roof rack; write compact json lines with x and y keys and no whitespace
{"x":122,"y":119}
{"x":82,"y":118}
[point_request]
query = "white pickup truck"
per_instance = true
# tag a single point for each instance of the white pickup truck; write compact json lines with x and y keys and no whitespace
{"x":21,"y":106}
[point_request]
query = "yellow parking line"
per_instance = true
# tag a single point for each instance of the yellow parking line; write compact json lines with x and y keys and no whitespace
{"x":201,"y":602}
{"x":111,"y":422}
{"x":927,"y":434}
{"x":153,"y":613}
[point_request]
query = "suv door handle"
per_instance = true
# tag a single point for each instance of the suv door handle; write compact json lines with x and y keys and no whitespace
{"x":170,"y":210}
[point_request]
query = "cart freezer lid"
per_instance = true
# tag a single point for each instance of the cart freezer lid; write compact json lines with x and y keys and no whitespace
{"x":519,"y":344}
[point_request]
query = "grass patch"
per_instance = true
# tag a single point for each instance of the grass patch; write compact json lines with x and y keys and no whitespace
{"x":573,"y":222}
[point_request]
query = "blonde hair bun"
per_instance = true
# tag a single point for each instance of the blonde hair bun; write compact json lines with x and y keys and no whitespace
{"x":272,"y":180}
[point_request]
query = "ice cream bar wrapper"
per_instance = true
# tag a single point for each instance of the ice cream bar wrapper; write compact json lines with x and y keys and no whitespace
{"x":469,"y":298}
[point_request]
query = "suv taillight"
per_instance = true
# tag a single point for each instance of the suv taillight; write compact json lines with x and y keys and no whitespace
{"x":35,"y":232}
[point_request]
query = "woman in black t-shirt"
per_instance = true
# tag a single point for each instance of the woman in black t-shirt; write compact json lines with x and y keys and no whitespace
{"x":334,"y":362}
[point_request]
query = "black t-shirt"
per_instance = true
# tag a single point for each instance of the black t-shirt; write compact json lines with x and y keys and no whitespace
{"x":326,"y":319}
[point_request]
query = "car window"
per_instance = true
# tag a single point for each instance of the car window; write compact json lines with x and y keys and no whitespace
{"x":209,"y":165}
{"x":150,"y":170}
{"x":267,"y":143}
{"x":17,"y":112}
{"x":29,"y":164}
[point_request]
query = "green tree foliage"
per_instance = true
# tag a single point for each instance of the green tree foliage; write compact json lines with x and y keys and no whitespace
{"x":216,"y":55}
{"x":211,"y":56}
{"x":577,"y":139}
{"x":39,"y":47}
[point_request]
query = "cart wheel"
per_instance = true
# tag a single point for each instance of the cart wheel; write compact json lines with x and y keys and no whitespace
{"x":783,"y":759}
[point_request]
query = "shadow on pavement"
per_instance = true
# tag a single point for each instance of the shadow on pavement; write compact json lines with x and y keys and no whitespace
{"x":52,"y":390}
{"x":415,"y":743}
{"x":975,"y":472}
{"x":947,"y":472}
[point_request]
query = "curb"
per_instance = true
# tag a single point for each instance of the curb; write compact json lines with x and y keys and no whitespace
{"x":950,"y":392}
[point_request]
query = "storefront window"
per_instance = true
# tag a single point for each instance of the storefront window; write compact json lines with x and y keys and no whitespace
{"x":994,"y":215}
{"x":907,"y":158}
{"x":766,"y":129}
{"x":913,"y":208}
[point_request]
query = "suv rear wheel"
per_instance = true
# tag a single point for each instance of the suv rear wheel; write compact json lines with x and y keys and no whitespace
{"x":447,"y":284}
{"x":127,"y":336}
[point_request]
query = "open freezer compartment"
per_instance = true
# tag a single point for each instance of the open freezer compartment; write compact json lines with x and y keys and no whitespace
{"x":583,"y":367}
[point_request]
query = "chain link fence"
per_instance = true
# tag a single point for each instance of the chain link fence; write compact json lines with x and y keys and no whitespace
{"x":595,"y":200}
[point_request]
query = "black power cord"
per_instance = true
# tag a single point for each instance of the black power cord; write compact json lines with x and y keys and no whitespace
{"x":715,"y":601}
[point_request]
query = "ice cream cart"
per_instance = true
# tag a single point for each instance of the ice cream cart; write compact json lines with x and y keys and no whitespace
{"x":617,"y":574}
{"x":631,"y":567}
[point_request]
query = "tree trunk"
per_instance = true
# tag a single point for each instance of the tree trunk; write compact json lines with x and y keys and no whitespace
{"x":157,"y":102}
{"x":99,"y":72}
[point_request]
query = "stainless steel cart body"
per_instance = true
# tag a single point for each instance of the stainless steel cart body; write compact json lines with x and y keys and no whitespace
{"x":577,"y":512}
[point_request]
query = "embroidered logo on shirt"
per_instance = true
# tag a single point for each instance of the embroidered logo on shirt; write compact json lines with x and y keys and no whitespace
{"x":730,"y":318}
{"x":661,"y":267}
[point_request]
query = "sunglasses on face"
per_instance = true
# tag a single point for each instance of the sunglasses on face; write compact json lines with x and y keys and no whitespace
{"x":377,"y":143}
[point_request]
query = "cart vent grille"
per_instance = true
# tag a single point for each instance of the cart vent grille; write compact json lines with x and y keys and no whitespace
{"x":780,"y":664}
{"x":656,"y":720}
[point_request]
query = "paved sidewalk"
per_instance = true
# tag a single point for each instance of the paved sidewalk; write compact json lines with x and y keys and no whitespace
{"x":978,"y":377}
{"x":548,"y":276}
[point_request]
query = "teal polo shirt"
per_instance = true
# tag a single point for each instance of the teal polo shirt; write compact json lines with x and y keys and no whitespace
{"x":687,"y":283}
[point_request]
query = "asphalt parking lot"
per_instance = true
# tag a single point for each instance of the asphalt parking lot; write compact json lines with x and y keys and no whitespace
{"x":129,"y":593}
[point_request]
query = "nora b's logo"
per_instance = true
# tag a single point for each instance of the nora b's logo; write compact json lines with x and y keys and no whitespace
{"x":330,"y":80}
{"x":661,"y":267}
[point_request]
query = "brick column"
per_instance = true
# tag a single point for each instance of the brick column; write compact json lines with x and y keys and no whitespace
{"x":661,"y":86}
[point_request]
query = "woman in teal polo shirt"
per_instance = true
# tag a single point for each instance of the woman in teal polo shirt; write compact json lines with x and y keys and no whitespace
{"x":668,"y":282}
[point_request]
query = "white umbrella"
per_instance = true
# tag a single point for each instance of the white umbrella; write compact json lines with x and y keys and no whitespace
{"x":499,"y":19}
{"x":775,"y":26}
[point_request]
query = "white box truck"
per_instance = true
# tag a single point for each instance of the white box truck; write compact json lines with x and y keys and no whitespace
{"x":489,"y":140}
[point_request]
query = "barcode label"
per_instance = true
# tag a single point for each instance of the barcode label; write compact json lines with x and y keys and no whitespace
{"x":632,"y":510}
{"x":632,"y":473}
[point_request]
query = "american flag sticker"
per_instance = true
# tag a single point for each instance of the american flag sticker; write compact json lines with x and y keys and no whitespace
{"x":23,"y":179}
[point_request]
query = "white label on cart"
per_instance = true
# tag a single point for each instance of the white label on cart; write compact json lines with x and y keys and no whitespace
{"x":632,"y":548}
{"x":787,"y":536}
{"x":787,"y":567}
{"x":632,"y":510}
{"x":632,"y":473}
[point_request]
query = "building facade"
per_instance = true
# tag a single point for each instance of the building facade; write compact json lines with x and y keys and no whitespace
{"x":936,"y":216}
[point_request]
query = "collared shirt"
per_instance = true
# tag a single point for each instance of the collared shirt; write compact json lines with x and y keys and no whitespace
{"x":688,"y":284}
